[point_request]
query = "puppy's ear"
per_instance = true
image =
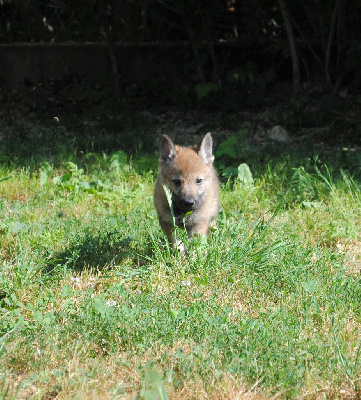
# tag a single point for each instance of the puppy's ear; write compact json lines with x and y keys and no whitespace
{"x":167,"y":150}
{"x":205,"y":149}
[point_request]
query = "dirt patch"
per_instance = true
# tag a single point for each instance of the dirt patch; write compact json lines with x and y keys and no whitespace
{"x":352,"y":252}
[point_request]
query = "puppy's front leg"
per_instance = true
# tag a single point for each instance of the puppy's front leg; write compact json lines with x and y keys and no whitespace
{"x":174,"y":242}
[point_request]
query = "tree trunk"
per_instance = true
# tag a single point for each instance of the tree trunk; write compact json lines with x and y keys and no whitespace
{"x":296,"y":74}
{"x":196,"y":54}
{"x":329,"y":42}
{"x":144,"y":18}
{"x":109,"y":30}
{"x":114,"y":68}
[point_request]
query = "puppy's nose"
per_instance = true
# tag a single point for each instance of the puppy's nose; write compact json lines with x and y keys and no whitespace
{"x":189,"y":202}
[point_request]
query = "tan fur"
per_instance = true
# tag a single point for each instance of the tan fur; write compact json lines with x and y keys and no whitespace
{"x":192,"y":180}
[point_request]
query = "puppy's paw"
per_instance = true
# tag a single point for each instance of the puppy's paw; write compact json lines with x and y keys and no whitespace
{"x":179,"y":245}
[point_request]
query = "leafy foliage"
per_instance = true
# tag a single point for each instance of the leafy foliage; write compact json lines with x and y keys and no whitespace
{"x":326,"y":34}
{"x":236,"y":149}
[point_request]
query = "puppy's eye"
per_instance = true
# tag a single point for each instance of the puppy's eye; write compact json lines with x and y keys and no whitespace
{"x":199,"y":181}
{"x":176,"y":181}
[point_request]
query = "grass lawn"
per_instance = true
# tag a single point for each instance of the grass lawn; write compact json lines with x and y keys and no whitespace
{"x":94,"y":304}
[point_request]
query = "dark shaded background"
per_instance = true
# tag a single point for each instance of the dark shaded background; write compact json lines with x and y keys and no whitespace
{"x":289,"y":62}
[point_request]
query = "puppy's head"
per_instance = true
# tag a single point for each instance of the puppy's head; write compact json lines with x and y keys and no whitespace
{"x":186,"y":172}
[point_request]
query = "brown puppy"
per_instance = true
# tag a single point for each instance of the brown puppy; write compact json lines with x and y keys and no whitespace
{"x":191,"y":181}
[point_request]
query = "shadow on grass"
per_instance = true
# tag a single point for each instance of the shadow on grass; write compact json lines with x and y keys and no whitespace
{"x":24,"y":143}
{"x":92,"y":252}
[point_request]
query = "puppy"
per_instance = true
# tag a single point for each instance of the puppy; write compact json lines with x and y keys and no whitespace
{"x":187,"y":189}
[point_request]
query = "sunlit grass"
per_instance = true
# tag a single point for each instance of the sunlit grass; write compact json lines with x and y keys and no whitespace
{"x":94,"y":304}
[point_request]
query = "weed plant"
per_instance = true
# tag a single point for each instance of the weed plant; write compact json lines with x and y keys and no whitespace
{"x":94,"y":303}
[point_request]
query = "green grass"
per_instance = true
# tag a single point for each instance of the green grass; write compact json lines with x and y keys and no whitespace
{"x":94,"y":304}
